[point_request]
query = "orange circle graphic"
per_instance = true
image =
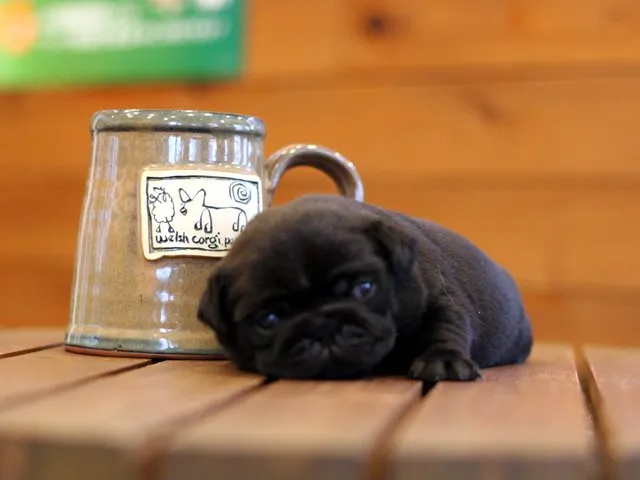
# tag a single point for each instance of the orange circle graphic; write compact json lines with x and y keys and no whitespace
{"x":18,"y":27}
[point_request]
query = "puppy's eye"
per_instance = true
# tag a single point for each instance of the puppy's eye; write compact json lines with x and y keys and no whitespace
{"x":268,"y":321}
{"x":363,"y":290}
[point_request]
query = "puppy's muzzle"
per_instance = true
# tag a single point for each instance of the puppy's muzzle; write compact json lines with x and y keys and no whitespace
{"x":346,"y":335}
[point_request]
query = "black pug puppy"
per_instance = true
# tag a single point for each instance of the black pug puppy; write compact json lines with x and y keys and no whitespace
{"x":327,"y":287}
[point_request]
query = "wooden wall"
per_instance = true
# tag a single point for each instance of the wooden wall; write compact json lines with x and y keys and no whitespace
{"x":514,"y":122}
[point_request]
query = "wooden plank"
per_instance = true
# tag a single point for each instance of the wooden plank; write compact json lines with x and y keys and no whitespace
{"x":36,"y":374}
{"x":548,"y":238}
{"x":16,"y":341}
{"x":424,"y":34}
{"x":113,"y":426}
{"x":515,"y":227}
{"x":429,"y":36}
{"x":545,"y":237}
{"x":59,"y":219}
{"x":601,"y":245}
{"x":292,"y":430}
{"x":508,"y":129}
{"x":526,"y":422}
{"x":614,"y":377}
{"x":274,"y":23}
{"x":527,"y":219}
{"x":45,"y":274}
{"x":584,"y":316}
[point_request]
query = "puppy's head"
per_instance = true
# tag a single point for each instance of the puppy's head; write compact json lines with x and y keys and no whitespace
{"x":308,"y":290}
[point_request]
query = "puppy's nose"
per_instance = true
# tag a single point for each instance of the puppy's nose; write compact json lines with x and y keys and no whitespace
{"x":324,"y":327}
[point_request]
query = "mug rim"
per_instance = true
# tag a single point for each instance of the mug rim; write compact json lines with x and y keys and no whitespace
{"x":175,"y":120}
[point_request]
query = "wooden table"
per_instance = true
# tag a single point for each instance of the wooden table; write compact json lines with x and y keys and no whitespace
{"x":563,"y":415}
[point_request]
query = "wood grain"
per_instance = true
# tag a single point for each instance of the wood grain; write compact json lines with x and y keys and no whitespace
{"x":512,"y":122}
{"x":615,"y":378}
{"x":527,"y":422}
{"x":546,"y":238}
{"x":113,"y":427}
{"x":457,"y":39}
{"x":14,"y":341}
{"x":585,"y":316}
{"x":291,"y":430}
{"x":274,"y":23}
{"x":499,"y":129}
{"x":400,"y":170}
{"x":51,"y":279}
{"x":575,"y":316}
{"x":523,"y":218}
{"x":26,"y":377}
{"x":601,"y":244}
{"x":423,"y":34}
{"x":573,"y":272}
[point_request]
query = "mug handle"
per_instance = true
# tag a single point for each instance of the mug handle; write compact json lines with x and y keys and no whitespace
{"x":338,"y":168}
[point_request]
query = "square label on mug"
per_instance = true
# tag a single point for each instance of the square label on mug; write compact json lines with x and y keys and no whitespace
{"x":195,"y":212}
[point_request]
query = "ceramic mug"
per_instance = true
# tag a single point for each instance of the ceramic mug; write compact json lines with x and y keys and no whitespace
{"x":168,"y":192}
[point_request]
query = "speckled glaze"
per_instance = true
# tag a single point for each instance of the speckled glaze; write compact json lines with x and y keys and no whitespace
{"x":125,"y":304}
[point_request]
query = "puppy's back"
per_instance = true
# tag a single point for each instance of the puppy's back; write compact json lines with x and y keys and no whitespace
{"x":501,"y":326}
{"x":453,"y":265}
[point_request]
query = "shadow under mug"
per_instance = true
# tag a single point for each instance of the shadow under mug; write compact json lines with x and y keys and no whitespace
{"x":167,"y":193}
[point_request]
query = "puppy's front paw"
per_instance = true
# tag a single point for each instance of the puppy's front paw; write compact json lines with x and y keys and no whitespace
{"x":443,"y":366}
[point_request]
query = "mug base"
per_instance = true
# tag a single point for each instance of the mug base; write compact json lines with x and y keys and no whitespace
{"x":142,"y":343}
{"x":131,"y":354}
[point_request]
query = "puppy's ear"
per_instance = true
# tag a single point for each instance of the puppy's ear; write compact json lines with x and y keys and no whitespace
{"x":214,"y":309}
{"x":396,"y":246}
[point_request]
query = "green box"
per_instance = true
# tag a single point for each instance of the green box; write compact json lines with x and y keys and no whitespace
{"x":46,"y":43}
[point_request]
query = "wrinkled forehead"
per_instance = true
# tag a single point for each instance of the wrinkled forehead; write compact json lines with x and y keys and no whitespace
{"x":303,"y":259}
{"x":324,"y":250}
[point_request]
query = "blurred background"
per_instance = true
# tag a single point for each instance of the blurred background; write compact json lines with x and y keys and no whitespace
{"x":513,"y":122}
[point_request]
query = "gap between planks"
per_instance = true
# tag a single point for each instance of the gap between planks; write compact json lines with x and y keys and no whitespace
{"x":612,"y":378}
{"x":293,"y":430}
{"x":18,"y":341}
{"x":534,"y":423}
{"x":32,"y":375}
{"x":522,"y":421}
{"x":222,"y":427}
{"x":598,"y":418}
{"x":120,"y":426}
{"x":33,"y":364}
{"x":113,"y":426}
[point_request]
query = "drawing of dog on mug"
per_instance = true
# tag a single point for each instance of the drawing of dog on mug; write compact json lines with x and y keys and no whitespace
{"x":327,"y":287}
{"x":207,"y":215}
